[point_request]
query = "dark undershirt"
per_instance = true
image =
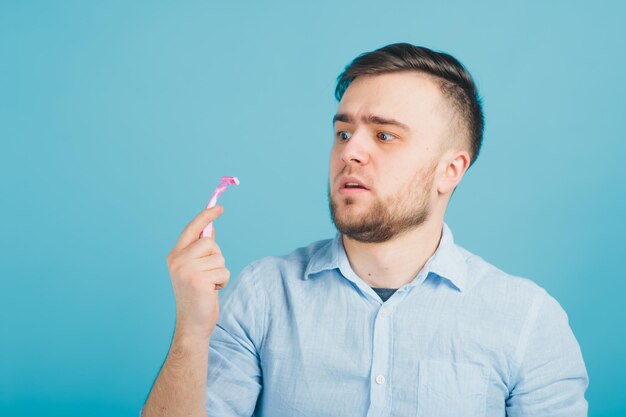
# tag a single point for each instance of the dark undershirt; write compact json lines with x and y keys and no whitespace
{"x":384,"y":293}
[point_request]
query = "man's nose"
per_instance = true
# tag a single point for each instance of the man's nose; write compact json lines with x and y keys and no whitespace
{"x":356,"y":149}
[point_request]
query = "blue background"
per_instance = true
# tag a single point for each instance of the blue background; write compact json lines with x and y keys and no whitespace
{"x":118,"y":118}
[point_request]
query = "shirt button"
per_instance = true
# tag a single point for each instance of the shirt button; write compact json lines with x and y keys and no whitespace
{"x":384,"y":312}
{"x":380,"y":380}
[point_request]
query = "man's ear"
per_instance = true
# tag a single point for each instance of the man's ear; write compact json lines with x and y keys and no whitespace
{"x":454,"y":165}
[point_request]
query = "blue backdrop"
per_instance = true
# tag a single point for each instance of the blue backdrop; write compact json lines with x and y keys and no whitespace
{"x":118,"y":118}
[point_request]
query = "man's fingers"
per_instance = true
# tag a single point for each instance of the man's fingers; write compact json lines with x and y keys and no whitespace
{"x":210,"y":263}
{"x":220,"y":278}
{"x":193,"y":229}
{"x":201,"y":248}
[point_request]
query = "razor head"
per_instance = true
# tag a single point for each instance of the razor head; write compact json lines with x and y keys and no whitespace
{"x":230,"y":180}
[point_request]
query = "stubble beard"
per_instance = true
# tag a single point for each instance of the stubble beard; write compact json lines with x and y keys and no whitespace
{"x":384,"y":220}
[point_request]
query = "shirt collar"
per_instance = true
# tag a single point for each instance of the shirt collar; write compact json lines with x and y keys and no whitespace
{"x":325,"y":258}
{"x":448,"y":262}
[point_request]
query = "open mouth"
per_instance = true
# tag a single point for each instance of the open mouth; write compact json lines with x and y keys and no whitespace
{"x":352,"y":188}
{"x":354,"y":185}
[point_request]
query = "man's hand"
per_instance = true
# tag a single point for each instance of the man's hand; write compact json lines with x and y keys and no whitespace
{"x":197,"y":270}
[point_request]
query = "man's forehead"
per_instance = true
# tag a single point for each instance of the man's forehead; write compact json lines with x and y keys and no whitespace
{"x":405,"y":97}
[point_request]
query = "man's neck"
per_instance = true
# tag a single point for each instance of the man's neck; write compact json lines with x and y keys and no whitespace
{"x":396,"y":262}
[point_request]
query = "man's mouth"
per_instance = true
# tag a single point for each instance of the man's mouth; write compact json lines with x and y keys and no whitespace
{"x":352,"y":183}
{"x":351,"y":186}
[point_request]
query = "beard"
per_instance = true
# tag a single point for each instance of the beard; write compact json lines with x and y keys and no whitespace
{"x":384,"y":220}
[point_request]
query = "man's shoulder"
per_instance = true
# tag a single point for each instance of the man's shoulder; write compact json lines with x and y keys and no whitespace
{"x":291,"y":265}
{"x":487,"y":279}
{"x":501,"y":295}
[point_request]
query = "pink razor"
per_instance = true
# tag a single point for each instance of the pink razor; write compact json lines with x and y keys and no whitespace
{"x":226,"y":181}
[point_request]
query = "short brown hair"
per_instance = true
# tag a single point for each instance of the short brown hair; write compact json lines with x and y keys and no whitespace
{"x":454,"y":80}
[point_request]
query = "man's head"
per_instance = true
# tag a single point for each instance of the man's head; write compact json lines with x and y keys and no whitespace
{"x":454,"y":80}
{"x":408,"y":126}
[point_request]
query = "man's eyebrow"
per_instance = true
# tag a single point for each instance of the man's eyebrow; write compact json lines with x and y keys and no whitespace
{"x":341,"y":117}
{"x":370,"y":119}
{"x":376,"y":120}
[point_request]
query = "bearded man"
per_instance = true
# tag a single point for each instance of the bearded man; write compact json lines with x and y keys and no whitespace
{"x":390,"y":317}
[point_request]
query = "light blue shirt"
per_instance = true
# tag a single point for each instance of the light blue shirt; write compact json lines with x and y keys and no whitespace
{"x":303,"y":335}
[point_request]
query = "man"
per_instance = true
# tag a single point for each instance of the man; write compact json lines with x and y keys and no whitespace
{"x":389,"y":318}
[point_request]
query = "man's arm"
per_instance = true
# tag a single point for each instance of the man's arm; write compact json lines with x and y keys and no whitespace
{"x":550,"y":378}
{"x":197,"y":271}
{"x":180,"y":388}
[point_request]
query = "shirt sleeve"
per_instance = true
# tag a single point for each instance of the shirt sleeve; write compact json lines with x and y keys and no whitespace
{"x":234,"y":377}
{"x":551,"y":379}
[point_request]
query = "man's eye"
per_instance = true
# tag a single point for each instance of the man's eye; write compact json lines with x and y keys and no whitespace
{"x":343,"y":135}
{"x":385,"y":137}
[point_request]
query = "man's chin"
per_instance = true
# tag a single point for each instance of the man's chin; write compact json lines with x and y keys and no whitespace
{"x":349,"y":227}
{"x":351,"y":216}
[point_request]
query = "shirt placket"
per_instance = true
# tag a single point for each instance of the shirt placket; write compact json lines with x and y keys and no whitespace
{"x":380,"y":370}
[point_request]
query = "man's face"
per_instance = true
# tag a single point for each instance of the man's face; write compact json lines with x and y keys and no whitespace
{"x":389,"y":133}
